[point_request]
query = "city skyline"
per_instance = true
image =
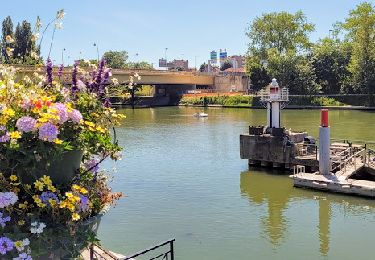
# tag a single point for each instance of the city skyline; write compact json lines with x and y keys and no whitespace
{"x":143,"y":29}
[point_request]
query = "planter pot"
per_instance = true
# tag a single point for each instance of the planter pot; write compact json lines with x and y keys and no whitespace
{"x":63,"y":169}
{"x":91,"y":224}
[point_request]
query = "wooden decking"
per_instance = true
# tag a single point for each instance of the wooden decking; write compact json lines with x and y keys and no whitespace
{"x":335,"y":183}
{"x":102,"y":254}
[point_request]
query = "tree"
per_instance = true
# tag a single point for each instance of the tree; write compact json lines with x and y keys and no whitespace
{"x":116,"y":59}
{"x":330,"y":59}
{"x":360,"y":29}
{"x":257,"y":72}
{"x":293,"y":71}
{"x":23,"y":43}
{"x":7,"y":29}
{"x":226,"y":65}
{"x":282,"y":31}
{"x":203,"y":67}
{"x":142,"y":65}
{"x":278,"y":46}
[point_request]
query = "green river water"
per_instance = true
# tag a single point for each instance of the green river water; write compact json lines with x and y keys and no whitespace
{"x":183,"y":178}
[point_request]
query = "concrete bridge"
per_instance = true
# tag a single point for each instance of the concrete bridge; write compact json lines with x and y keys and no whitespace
{"x":169,"y":83}
{"x":159,"y":77}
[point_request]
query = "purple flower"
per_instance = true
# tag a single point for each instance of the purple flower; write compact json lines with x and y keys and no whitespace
{"x":74,"y":78}
{"x":92,"y":164}
{"x":60,"y":71}
{"x":63,"y":112}
{"x":26,"y":124}
{"x":75,"y":115}
{"x":6,"y":245}
{"x":4,"y":138}
{"x":7,"y":199}
{"x":48,"y":132}
{"x":46,"y":196}
{"x":3,"y":220}
{"x":84,"y":203}
{"x":49,"y":68}
{"x":107,"y":102}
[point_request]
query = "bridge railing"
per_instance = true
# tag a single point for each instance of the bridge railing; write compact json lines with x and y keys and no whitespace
{"x":168,"y":255}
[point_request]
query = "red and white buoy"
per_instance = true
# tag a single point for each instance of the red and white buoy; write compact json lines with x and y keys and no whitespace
{"x":324,"y":144}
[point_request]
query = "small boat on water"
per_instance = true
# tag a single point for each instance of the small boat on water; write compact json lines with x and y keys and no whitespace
{"x":200,"y":114}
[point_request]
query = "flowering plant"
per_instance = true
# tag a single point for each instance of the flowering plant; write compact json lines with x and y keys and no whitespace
{"x":42,"y":119}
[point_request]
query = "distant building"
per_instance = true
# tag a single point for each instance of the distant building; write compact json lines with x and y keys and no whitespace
{"x":178,"y":65}
{"x":237,"y":61}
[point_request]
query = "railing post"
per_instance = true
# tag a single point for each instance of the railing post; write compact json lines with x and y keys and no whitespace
{"x":172,"y":250}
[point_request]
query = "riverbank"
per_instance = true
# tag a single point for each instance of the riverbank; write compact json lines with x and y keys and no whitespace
{"x":344,"y":102}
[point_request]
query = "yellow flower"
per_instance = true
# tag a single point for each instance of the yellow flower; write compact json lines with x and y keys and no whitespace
{"x":15,"y":135}
{"x":18,"y":244}
{"x":69,"y":194}
{"x":62,"y":204}
{"x":9,"y":112}
{"x":23,"y":205}
{"x":79,"y":189}
{"x":71,"y":207}
{"x":39,"y":185}
{"x":58,"y":141}
{"x":89,"y":124}
{"x":46,"y":180}
{"x":75,"y":216}
{"x":101,"y":129}
{"x":21,"y":222}
{"x":52,"y":202}
{"x":37,"y":199}
{"x":13,"y":178}
{"x":51,"y":188}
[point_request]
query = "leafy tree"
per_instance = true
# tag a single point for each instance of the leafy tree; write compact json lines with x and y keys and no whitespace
{"x":360,"y":29}
{"x":330,"y":59}
{"x":116,"y":59}
{"x":278,"y":46}
{"x":142,"y":65}
{"x":257,"y":72}
{"x":282,"y":31}
{"x":23,"y":43}
{"x":203,"y":67}
{"x":226,"y":65}
{"x":293,"y":71}
{"x":7,"y":29}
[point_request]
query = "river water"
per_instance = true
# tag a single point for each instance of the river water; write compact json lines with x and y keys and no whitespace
{"x":183,"y":178}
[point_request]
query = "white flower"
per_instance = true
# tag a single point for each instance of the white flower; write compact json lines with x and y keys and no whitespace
{"x":81,"y":86}
{"x":35,"y":37}
{"x":58,"y":25}
{"x":9,"y":39}
{"x":34,"y":55}
{"x":37,"y":227}
{"x":60,"y":14}
{"x":26,"y":242}
{"x":115,"y":81}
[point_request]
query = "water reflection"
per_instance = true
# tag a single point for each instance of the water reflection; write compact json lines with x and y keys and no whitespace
{"x":276,"y":192}
{"x":275,"y":195}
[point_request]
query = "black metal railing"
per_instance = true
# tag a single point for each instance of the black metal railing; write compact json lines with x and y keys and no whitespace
{"x":169,"y":255}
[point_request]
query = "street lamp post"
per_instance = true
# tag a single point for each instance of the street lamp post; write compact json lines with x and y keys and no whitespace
{"x":165,"y":54}
{"x":62,"y":56}
{"x":97,"y":50}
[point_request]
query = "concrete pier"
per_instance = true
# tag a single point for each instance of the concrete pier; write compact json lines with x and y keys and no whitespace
{"x":277,"y":148}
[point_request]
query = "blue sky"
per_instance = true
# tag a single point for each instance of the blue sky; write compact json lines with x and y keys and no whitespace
{"x":190,"y":29}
